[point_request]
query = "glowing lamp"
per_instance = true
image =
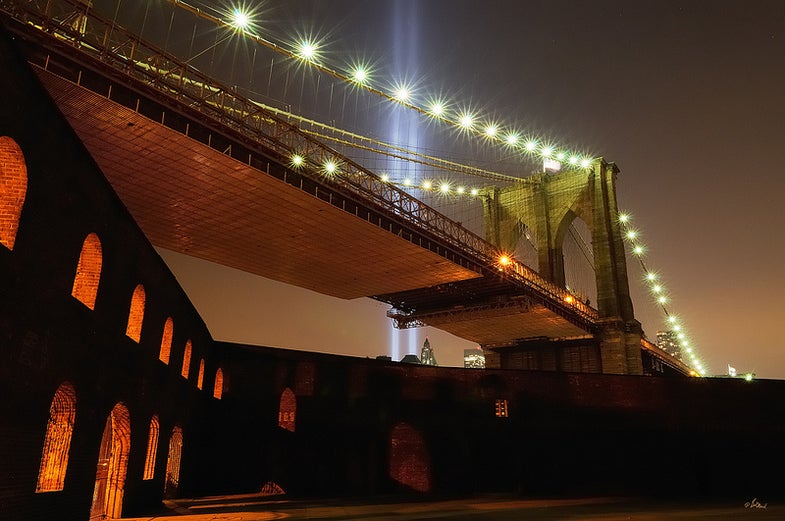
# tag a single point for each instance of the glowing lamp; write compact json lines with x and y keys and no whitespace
{"x":297,"y":160}
{"x":444,"y":188}
{"x":569,"y":299}
{"x":427,"y":185}
{"x":437,"y":108}
{"x":491,"y":130}
{"x":466,"y":121}
{"x":511,"y":139}
{"x":475,"y":191}
{"x":402,"y":93}
{"x":359,"y":75}
{"x":240,"y":19}
{"x":330,"y":167}
{"x":307,"y":50}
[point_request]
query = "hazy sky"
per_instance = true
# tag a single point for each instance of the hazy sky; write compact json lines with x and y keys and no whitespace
{"x":688,"y":98}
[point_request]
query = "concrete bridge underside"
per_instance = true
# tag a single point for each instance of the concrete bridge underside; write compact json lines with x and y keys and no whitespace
{"x":191,"y":198}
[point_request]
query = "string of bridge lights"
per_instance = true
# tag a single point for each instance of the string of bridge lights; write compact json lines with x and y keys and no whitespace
{"x":658,"y":292}
{"x":309,"y":51}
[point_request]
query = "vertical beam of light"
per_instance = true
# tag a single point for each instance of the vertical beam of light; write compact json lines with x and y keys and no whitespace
{"x":412,"y":341}
{"x":403,"y":124}
{"x":394,"y":348}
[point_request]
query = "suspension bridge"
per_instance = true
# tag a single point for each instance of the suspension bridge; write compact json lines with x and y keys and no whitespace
{"x":212,"y":164}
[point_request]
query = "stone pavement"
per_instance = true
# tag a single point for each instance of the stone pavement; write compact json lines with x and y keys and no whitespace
{"x":253,"y":507}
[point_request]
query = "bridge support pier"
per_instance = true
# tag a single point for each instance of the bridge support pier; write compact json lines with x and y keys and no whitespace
{"x":547,"y":204}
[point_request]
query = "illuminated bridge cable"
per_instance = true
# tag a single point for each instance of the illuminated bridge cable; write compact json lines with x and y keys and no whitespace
{"x":400,"y":94}
{"x":424,"y":159}
{"x":657,"y":289}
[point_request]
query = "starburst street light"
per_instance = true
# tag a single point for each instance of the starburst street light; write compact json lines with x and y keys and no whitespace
{"x":240,"y":20}
{"x":307,"y":50}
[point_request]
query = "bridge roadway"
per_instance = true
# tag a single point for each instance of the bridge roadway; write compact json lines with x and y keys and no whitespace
{"x":197,"y":186}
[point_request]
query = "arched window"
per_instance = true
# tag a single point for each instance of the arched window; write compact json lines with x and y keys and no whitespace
{"x":54,"y":457}
{"x":186,"y":360}
{"x":136,"y":315}
{"x":173,"y":462}
{"x":200,"y":379}
{"x":152,"y":448}
{"x":112,"y":465}
{"x":287,"y":411}
{"x":166,"y":341}
{"x":88,"y":272}
{"x":13,"y":188}
{"x":409,"y":461}
{"x":218,"y":387}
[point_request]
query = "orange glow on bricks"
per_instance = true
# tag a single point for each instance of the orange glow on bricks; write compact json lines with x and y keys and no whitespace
{"x":88,"y":272}
{"x":13,"y":188}
{"x":136,"y":315}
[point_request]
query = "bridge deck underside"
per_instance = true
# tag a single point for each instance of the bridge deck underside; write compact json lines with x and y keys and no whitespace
{"x":488,"y":311}
{"x":192,"y":199}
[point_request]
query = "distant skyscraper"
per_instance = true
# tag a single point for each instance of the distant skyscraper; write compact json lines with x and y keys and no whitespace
{"x":426,"y":356}
{"x":474,"y":358}
{"x":668,"y":341}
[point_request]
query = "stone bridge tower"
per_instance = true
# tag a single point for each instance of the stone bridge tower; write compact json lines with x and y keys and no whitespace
{"x":547,"y":204}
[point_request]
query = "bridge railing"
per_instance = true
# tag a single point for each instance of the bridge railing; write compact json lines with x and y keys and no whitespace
{"x":75,"y":24}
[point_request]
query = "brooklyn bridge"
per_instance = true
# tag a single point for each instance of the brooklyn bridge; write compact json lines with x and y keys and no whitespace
{"x":112,"y":145}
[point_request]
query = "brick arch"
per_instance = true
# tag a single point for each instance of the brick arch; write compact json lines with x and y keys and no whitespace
{"x":166,"y":341}
{"x":152,"y":448}
{"x":287,"y":410}
{"x":136,"y":314}
{"x":409,"y":462}
{"x":186,"y":369}
{"x":218,"y":384}
{"x":57,"y":444}
{"x":173,"y":462}
{"x":13,"y":189}
{"x":112,"y":465}
{"x":88,"y":271}
{"x":200,"y":377}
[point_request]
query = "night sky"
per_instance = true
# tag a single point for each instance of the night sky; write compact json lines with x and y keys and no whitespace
{"x":686,"y":97}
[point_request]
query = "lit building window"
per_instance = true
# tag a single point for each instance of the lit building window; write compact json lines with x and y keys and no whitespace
{"x":136,"y":315}
{"x":152,"y":448}
{"x":112,"y":465}
{"x":173,"y":461}
{"x":200,"y":378}
{"x":501,"y":409}
{"x":54,"y":457}
{"x":186,"y":369}
{"x":88,"y":272}
{"x":13,"y":189}
{"x":287,"y":412}
{"x":218,"y":387}
{"x":409,"y":459}
{"x":166,"y":341}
